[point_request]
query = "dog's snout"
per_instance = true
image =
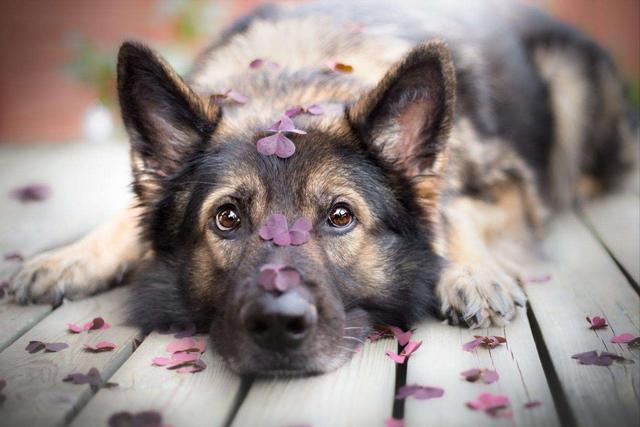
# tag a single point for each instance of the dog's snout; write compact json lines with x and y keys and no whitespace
{"x":279,"y":322}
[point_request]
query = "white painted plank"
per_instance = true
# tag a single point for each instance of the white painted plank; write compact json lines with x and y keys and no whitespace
{"x":616,"y":220}
{"x":586,"y":282}
{"x":441,"y":359}
{"x":203,"y":398}
{"x":89,"y":184}
{"x":357,"y":394}
{"x":36,"y":394}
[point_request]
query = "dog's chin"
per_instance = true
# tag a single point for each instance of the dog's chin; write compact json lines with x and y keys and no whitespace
{"x":284,"y":366}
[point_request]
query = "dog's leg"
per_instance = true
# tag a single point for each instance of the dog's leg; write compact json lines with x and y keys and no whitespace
{"x":479,"y":286}
{"x":84,"y":267}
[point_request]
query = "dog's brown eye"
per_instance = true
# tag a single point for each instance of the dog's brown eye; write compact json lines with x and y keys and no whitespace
{"x":227,"y":218}
{"x":340,"y":216}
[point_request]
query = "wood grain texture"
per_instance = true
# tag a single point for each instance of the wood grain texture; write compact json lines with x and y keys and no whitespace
{"x":36,"y":394}
{"x":586,"y":282}
{"x":203,"y":398}
{"x":89,"y":183}
{"x":358,"y":394}
{"x":441,"y":359}
{"x":616,"y":221}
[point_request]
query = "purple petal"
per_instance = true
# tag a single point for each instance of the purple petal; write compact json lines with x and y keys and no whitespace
{"x":285,"y":124}
{"x":266,"y":279}
{"x":471,"y":344}
{"x":265,"y":233}
{"x":267,"y":146}
{"x":76,"y":378}
{"x":277,"y":222}
{"x":489,"y":376}
{"x":237,"y":96}
{"x":471,"y":375}
{"x":294,"y":111}
{"x":34,"y":346}
{"x":31,"y":193}
{"x":256,"y":63}
{"x":315,"y":109}
{"x":54,"y":347}
{"x":299,"y":237}
{"x":532,"y":404}
{"x":428,"y":393}
{"x":285,"y":147}
{"x":302,"y":224}
{"x":14,"y":256}
{"x":282,"y":238}
{"x":287,"y":279}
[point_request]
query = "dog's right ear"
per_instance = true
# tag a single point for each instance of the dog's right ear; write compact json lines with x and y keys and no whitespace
{"x":165,"y":119}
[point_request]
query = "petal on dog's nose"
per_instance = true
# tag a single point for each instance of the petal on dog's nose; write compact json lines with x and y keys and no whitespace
{"x":279,"y":277}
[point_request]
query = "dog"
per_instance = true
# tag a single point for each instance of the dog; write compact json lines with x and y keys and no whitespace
{"x":377,"y":163}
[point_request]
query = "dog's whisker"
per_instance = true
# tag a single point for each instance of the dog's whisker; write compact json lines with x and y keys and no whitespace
{"x":354,"y":338}
{"x":354,"y":327}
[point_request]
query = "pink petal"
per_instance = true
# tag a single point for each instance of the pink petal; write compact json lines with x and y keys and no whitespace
{"x":469,"y":346}
{"x":299,"y":237}
{"x":623,"y":338}
{"x":393,"y":422}
{"x":161,"y":361}
{"x":75,"y":328}
{"x":489,"y":376}
{"x":402,"y":337}
{"x":399,"y":359}
{"x":597,"y":322}
{"x":410,"y":348}
{"x":187,"y":344}
{"x":267,"y":146}
{"x":101,"y":346}
{"x":287,"y":279}
{"x":285,"y":147}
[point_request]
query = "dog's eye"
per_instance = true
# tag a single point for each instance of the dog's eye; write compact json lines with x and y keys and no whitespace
{"x":340,"y":216}
{"x":227,"y":218}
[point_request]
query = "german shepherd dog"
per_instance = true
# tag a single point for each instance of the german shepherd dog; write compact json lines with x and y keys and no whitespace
{"x":440,"y":135}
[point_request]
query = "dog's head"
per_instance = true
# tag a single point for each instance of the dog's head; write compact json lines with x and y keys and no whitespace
{"x":364,"y":180}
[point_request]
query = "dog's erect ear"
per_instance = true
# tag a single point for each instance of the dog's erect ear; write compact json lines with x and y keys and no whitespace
{"x":165,"y":119}
{"x":408,"y":115}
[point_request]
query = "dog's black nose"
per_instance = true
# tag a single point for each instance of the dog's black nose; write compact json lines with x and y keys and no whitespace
{"x":279,"y":322}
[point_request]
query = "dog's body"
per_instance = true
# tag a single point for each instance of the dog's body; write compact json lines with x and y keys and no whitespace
{"x":444,"y":204}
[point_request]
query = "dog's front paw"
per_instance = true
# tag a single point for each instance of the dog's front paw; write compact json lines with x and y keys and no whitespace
{"x":478,"y":295}
{"x":68,"y":272}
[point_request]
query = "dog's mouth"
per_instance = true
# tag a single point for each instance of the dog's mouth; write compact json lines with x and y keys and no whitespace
{"x":332,"y":343}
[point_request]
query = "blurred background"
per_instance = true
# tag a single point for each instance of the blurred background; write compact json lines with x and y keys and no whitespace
{"x":58,"y":56}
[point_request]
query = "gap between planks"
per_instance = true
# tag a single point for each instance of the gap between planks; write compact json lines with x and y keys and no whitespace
{"x":585,"y":281}
{"x":35,"y":392}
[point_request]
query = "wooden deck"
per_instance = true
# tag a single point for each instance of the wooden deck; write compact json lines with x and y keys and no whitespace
{"x":592,"y":256}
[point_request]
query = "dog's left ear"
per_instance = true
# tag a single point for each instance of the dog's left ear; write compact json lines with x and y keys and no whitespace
{"x":165,"y":119}
{"x":408,"y":115}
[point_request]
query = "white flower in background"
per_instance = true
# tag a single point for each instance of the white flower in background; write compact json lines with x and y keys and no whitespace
{"x":97,"y":123}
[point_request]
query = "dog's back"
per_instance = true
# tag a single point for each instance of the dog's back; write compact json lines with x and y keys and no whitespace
{"x":523,"y":79}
